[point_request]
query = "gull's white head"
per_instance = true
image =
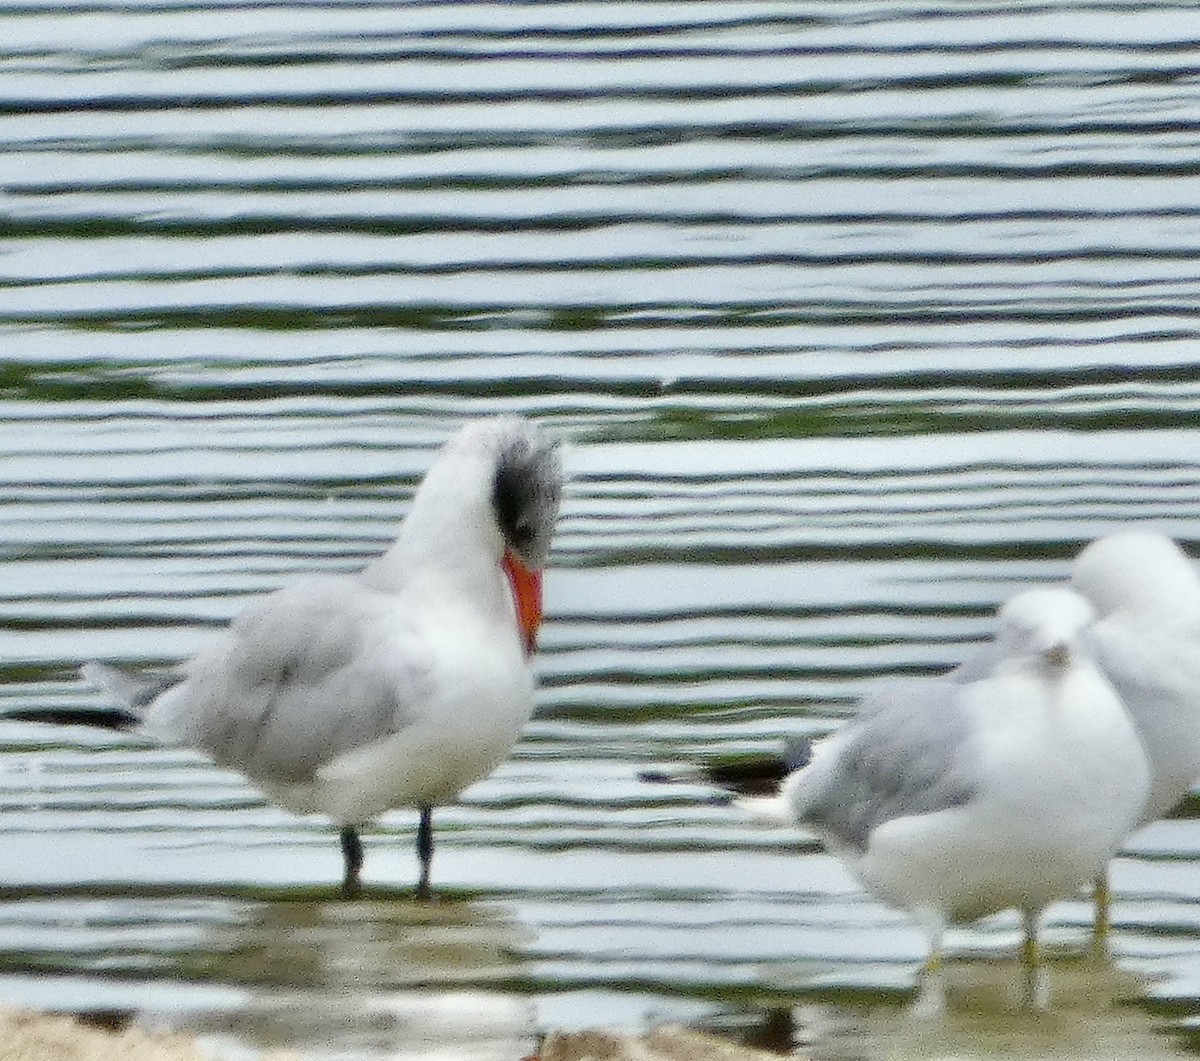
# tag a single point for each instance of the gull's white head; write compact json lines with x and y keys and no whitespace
{"x":1137,"y":571}
{"x":1045,"y":622}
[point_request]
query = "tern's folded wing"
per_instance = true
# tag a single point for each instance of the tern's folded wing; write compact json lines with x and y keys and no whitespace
{"x":314,"y":671}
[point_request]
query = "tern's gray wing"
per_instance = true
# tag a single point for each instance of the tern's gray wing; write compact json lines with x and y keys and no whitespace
{"x":908,"y":751}
{"x":297,"y":681}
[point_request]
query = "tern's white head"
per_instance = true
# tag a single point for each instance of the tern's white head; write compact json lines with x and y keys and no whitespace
{"x":491,"y":498}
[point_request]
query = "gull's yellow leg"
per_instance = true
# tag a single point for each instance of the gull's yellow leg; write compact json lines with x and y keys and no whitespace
{"x":1037,"y":991}
{"x":1102,"y":926}
{"x":931,"y":989}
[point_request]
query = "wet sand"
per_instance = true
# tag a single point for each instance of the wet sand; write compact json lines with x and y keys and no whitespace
{"x":40,"y":1036}
{"x":26,"y":1036}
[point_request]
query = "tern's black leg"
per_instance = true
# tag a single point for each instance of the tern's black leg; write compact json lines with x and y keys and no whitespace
{"x":352,"y":856}
{"x":425,"y":849}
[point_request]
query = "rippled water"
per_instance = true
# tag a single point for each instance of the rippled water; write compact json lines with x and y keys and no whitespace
{"x":856,"y":315}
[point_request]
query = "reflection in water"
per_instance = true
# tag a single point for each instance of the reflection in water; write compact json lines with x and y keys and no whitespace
{"x":1091,"y":1019}
{"x":369,"y":979}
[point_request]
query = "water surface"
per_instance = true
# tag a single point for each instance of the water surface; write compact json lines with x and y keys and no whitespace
{"x":857,"y":315}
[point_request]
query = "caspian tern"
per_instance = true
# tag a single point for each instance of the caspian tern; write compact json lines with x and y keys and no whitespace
{"x":955,"y":797}
{"x":396,"y":686}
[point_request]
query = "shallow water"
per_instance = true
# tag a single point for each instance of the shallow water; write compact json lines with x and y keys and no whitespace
{"x":856,"y":314}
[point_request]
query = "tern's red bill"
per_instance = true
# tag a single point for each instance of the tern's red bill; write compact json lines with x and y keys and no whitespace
{"x":527,"y":595}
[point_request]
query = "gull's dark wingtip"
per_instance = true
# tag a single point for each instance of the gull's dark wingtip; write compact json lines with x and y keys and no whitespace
{"x":753,"y":775}
{"x":97,"y":718}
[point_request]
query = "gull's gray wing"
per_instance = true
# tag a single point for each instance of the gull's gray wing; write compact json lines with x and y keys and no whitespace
{"x":297,"y":681}
{"x":908,"y":751}
{"x":980,"y":663}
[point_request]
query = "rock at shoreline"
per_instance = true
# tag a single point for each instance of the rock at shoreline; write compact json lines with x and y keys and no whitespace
{"x":663,"y":1044}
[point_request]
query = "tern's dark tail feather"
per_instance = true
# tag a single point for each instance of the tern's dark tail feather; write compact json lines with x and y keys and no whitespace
{"x":133,"y":693}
